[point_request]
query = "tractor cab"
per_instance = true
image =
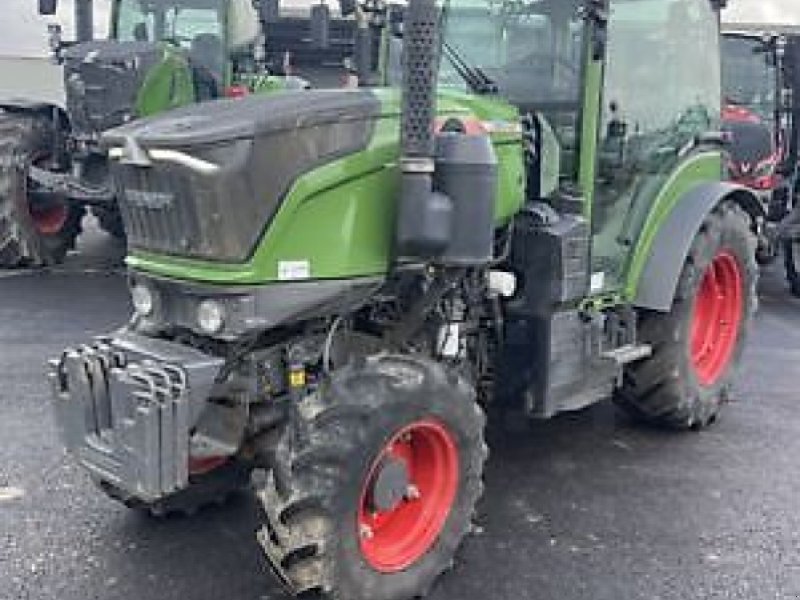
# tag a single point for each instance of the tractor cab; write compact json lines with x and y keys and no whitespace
{"x":216,"y":34}
{"x":606,"y":130}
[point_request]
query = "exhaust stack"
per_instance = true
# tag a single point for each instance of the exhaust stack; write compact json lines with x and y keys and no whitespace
{"x":84,"y":20}
{"x":424,"y":218}
{"x":445,"y":213}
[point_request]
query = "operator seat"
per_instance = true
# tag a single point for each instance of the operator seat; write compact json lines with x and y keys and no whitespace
{"x":206,"y":55}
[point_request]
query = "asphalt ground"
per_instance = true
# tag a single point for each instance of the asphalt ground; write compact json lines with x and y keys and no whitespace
{"x":584,"y":507}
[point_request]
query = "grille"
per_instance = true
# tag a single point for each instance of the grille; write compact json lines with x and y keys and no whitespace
{"x":159,"y":208}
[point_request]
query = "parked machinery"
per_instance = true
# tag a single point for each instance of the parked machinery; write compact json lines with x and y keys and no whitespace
{"x":762,"y":116}
{"x":330,"y":286}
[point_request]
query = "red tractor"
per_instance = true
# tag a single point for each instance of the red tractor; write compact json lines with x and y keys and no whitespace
{"x":762,"y":119}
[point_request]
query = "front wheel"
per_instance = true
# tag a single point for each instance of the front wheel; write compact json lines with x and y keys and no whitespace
{"x":375,"y":482}
{"x":698,"y":343}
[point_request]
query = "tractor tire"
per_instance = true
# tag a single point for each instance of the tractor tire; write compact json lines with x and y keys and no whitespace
{"x":698,"y":343}
{"x":212,"y":488}
{"x":791,"y":255}
{"x":375,"y":481}
{"x":30,"y":236}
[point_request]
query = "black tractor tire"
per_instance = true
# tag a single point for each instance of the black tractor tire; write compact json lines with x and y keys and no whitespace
{"x":24,"y":139}
{"x":791,"y":256}
{"x":676,"y":387}
{"x":213,"y":488}
{"x":329,"y":459}
{"x":110,"y":221}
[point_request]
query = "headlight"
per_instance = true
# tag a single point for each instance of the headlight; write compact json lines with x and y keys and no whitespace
{"x":210,"y":316}
{"x":143,"y":300}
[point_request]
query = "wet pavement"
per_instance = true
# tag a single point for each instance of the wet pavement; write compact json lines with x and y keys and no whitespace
{"x":587,"y":506}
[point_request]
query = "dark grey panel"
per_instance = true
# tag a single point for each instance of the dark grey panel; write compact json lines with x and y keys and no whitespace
{"x":256,"y":308}
{"x":259,"y":146}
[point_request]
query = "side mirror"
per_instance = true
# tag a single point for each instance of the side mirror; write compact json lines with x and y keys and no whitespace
{"x":320,"y":26}
{"x":48,"y":7}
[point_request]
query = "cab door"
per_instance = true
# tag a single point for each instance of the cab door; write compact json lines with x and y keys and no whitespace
{"x":661,"y":91}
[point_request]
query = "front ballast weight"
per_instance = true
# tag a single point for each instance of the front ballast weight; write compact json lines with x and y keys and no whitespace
{"x":127,"y":407}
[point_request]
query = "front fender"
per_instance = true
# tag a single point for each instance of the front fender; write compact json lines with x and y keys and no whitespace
{"x":662,"y":270}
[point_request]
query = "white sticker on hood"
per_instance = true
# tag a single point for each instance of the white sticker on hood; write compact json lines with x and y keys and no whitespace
{"x":598,"y":282}
{"x":292,"y":270}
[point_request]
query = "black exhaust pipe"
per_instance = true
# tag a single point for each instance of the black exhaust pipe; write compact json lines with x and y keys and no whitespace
{"x":445,"y":212}
{"x":84,"y":20}
{"x":424,"y":218}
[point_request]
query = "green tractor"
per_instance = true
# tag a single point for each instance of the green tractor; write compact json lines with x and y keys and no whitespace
{"x":331,"y":287}
{"x":159,"y":55}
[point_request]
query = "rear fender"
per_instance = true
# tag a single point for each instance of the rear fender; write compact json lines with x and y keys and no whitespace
{"x":659,"y":279}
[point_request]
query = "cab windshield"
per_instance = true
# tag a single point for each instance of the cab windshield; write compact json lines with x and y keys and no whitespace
{"x":176,"y":21}
{"x":530,"y":50}
{"x":748,"y":80}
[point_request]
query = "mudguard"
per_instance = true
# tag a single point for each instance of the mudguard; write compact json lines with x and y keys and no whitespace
{"x":659,"y":279}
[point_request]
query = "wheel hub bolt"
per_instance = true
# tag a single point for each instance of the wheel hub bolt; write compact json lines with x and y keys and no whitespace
{"x":412,"y":492}
{"x":366,"y":532}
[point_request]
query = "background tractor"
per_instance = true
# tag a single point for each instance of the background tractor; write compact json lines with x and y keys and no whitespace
{"x":160,"y":54}
{"x":761,"y":87}
{"x":331,"y":286}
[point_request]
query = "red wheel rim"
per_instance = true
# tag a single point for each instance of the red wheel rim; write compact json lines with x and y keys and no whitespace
{"x":717,"y":318}
{"x":50,"y":218}
{"x":394,"y":539}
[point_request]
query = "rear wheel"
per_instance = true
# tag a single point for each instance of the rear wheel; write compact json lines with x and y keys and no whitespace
{"x":698,"y":343}
{"x":31,"y":233}
{"x":375,"y":482}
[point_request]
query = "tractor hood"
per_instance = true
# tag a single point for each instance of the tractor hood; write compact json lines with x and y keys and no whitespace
{"x":102,"y":80}
{"x":204,"y":181}
{"x":248,"y":118}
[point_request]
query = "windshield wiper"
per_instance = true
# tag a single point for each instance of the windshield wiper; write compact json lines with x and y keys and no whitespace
{"x":475,"y":77}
